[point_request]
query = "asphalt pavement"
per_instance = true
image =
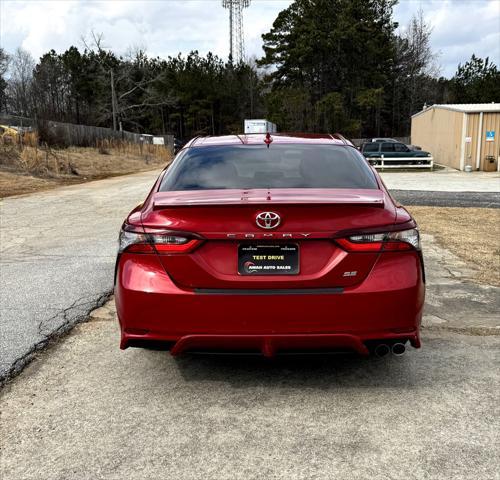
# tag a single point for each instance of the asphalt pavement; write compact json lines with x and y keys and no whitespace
{"x":442,"y":180}
{"x":444,"y":188}
{"x":57,"y":254}
{"x":447,"y":199}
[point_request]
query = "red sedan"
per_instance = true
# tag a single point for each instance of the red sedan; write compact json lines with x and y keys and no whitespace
{"x":270,"y":245}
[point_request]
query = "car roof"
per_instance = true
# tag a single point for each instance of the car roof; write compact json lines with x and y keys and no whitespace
{"x":277,"y":138}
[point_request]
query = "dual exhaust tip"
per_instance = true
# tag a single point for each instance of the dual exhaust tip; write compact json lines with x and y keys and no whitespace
{"x":383,"y":349}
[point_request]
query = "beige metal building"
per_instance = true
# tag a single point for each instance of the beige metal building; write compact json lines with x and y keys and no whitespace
{"x":460,"y":134}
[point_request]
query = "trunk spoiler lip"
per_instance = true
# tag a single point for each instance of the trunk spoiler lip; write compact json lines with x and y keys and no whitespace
{"x":393,"y":227}
{"x":265,"y":197}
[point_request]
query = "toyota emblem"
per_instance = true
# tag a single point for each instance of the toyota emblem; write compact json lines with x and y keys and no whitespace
{"x":268,"y":220}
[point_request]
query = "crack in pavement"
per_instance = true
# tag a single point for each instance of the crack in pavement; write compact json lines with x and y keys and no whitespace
{"x":68,"y":322}
{"x":46,"y":265}
{"x":44,"y":327}
{"x":454,"y":301}
{"x":452,"y":274}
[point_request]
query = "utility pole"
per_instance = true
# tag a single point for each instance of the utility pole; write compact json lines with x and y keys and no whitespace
{"x":231,"y":46}
{"x":236,"y":38}
{"x":113,"y":99}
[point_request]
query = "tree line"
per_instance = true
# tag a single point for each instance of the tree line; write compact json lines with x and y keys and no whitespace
{"x":328,"y":65}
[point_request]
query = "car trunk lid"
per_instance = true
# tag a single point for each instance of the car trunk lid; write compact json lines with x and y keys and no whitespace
{"x":309,"y":219}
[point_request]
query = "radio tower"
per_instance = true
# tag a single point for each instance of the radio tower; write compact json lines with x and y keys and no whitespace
{"x":236,"y":41}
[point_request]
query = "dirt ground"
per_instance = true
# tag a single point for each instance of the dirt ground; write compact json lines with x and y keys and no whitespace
{"x":35,"y":169}
{"x":18,"y":183}
{"x":470,"y":233}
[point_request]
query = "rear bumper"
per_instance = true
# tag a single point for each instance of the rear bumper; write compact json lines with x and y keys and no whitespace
{"x":270,"y":345}
{"x":387,"y":306}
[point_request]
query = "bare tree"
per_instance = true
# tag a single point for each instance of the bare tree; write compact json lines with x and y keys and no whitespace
{"x":97,"y":44}
{"x":4,"y":62}
{"x":422,"y":60}
{"x":4,"y":65}
{"x":20,"y":83}
{"x":416,"y":71}
{"x":129,"y":80}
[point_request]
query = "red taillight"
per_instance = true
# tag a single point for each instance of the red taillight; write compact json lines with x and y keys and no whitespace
{"x":177,"y":248}
{"x":161,"y":242}
{"x":139,"y":248}
{"x":346,"y":244}
{"x":381,"y":242}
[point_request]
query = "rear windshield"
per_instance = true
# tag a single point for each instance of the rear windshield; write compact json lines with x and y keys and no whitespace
{"x":280,"y":166}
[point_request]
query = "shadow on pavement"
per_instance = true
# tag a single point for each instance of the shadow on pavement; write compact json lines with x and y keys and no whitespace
{"x":442,"y":362}
{"x":299,"y":371}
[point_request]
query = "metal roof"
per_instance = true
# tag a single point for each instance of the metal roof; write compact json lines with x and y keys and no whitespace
{"x":465,"y":107}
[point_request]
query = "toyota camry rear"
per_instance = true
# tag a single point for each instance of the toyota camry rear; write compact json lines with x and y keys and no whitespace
{"x":269,"y":245}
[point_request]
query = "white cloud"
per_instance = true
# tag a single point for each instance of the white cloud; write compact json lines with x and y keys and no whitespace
{"x":460,"y":28}
{"x":167,"y":27}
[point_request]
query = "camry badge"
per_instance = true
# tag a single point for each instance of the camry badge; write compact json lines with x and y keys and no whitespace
{"x":268,"y":220}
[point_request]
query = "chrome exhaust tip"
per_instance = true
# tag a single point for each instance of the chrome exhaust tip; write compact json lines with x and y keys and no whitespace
{"x":398,"y":349}
{"x":381,"y":350}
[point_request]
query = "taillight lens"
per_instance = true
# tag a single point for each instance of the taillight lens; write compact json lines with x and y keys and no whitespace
{"x":163,"y":243}
{"x":378,"y":242}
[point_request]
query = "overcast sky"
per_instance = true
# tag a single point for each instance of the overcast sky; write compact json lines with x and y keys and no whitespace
{"x":166,"y":27}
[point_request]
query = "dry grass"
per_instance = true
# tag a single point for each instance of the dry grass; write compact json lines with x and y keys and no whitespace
{"x":18,"y":184}
{"x":32,"y":165}
{"x":473,"y":234}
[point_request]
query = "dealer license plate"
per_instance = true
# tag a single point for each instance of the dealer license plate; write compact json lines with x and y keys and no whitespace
{"x":268,"y":259}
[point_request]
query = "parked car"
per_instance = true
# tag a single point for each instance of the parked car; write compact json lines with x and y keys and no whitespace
{"x":392,"y":140}
{"x":394,"y":150}
{"x":178,"y":145}
{"x":269,"y":244}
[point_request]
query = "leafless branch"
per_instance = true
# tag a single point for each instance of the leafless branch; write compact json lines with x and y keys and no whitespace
{"x":139,"y":85}
{"x":139,"y":105}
